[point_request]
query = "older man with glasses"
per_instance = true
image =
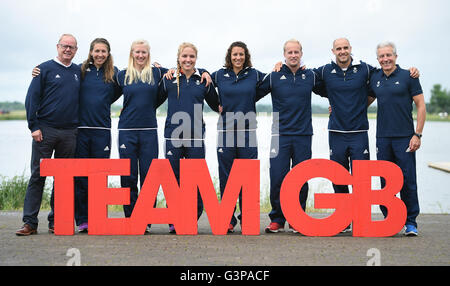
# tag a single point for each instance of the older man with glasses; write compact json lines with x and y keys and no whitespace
{"x":52,"y":114}
{"x":397,"y":139}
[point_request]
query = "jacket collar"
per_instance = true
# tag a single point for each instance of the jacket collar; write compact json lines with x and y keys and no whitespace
{"x":354,"y":62}
{"x":196,"y":73}
{"x":93,"y":67}
{"x":396,"y":71}
{"x":285,"y":68}
{"x":242,"y":71}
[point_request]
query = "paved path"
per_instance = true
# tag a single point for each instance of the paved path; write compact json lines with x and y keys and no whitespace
{"x":431,"y":247}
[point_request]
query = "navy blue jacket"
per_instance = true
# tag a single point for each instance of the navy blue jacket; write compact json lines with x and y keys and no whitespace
{"x":237,"y":93}
{"x":96,"y":97}
{"x":394,"y":95}
{"x":185,"y":110}
{"x":53,"y":95}
{"x":347,"y":93}
{"x":140,"y":101}
{"x":291,"y":100}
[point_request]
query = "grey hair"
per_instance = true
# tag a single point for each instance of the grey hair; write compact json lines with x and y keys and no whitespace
{"x":387,"y":44}
{"x":67,"y":35}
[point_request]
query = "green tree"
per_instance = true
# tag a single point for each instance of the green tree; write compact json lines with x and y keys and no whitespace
{"x":440,"y":99}
{"x":9,"y":106}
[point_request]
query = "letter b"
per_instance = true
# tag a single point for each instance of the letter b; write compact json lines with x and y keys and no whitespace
{"x":364,"y":197}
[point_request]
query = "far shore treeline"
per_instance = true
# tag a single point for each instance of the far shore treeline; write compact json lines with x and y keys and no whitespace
{"x":16,"y":110}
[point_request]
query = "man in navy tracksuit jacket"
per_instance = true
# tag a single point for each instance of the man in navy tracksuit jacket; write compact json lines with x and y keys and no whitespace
{"x":346,"y":86}
{"x":184,"y":127}
{"x":397,"y":140}
{"x":237,"y":122}
{"x":52,"y":114}
{"x":292,"y":130}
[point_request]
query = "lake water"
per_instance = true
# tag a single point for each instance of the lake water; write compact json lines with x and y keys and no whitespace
{"x":433,"y":185}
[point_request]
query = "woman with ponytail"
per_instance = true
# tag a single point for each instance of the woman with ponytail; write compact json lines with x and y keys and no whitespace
{"x":184,"y":127}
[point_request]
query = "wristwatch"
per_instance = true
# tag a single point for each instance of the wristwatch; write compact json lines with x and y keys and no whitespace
{"x":418,"y":135}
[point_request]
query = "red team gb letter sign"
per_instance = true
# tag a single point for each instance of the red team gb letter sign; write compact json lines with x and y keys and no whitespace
{"x":181,"y":199}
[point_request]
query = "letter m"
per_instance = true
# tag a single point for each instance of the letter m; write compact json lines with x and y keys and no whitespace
{"x":244,"y":176}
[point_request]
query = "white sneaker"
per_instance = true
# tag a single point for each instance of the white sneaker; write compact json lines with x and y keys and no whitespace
{"x":347,"y":229}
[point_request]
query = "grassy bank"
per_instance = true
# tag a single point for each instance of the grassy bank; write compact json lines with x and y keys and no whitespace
{"x":12,"y":193}
{"x":14,"y":115}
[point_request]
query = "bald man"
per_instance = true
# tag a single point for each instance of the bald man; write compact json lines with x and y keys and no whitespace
{"x":346,"y":85}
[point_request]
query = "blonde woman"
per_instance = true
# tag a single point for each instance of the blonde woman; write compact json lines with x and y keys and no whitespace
{"x":184,"y":127}
{"x":138,"y":137}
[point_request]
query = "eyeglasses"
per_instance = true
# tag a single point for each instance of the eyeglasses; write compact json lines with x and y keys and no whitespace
{"x":65,"y":47}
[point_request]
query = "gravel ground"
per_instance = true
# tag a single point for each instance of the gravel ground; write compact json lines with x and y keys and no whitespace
{"x":430,"y":248}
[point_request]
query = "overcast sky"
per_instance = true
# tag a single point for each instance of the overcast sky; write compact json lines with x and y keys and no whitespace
{"x":30,"y":30}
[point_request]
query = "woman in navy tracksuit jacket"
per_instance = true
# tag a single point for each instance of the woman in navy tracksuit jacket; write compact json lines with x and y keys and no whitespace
{"x":236,"y":83}
{"x":184,"y":128}
{"x":98,"y":91}
{"x":138,"y":136}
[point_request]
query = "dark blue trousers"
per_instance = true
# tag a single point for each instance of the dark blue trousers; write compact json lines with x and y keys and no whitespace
{"x":393,"y":149}
{"x":91,"y":143}
{"x":141,"y":147}
{"x":231,"y":146}
{"x":185,"y":149}
{"x":61,"y":143}
{"x":346,"y":147}
{"x":286,"y":151}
